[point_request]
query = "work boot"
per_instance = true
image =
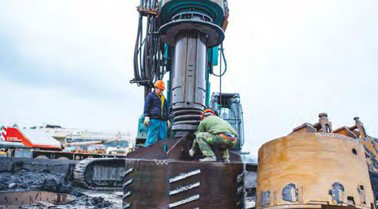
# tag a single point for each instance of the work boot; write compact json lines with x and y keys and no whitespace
{"x":191,"y":152}
{"x":209,"y":159}
{"x":226,"y":160}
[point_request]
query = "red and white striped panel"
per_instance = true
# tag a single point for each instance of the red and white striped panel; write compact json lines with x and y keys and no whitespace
{"x":3,"y":134}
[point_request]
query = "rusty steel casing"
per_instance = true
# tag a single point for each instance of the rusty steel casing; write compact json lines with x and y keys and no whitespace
{"x":313,"y":170}
{"x":163,"y":184}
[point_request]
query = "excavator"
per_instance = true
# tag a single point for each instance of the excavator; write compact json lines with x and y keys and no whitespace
{"x":180,"y":41}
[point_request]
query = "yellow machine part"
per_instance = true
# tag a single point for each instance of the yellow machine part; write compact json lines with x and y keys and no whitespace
{"x":313,"y":170}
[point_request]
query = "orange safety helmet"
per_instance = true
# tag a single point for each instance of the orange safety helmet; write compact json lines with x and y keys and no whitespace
{"x":160,"y":84}
{"x":208,"y":110}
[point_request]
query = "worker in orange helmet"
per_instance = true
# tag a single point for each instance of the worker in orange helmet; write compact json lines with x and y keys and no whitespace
{"x":156,"y":115}
{"x":216,"y":132}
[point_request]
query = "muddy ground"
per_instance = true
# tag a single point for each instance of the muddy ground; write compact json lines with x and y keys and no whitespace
{"x":82,"y":202}
{"x":24,"y":180}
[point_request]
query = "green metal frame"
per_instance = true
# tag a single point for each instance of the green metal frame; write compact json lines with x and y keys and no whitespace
{"x":174,"y":7}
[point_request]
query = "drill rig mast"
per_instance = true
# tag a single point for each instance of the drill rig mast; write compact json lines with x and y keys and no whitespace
{"x":180,"y":38}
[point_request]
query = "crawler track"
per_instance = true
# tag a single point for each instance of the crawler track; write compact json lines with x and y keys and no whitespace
{"x":100,"y":173}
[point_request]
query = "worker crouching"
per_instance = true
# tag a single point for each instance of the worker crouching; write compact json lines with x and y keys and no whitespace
{"x":216,"y":132}
{"x":156,"y":115}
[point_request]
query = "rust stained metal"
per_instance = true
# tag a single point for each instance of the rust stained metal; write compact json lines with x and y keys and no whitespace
{"x":324,"y":125}
{"x":225,"y":22}
{"x":325,"y":168}
{"x":147,"y":11}
{"x":174,"y":148}
{"x":157,"y":150}
{"x":175,"y":184}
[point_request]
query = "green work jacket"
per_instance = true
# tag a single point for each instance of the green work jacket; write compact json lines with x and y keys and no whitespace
{"x":215,"y":125}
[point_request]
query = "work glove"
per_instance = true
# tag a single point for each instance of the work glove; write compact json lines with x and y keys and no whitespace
{"x":168,"y":124}
{"x":146,"y":121}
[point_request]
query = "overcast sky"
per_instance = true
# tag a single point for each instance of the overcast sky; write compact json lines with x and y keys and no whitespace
{"x":69,"y":62}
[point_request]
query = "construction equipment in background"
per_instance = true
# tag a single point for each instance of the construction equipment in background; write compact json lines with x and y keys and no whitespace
{"x":32,"y":143}
{"x":84,"y":143}
{"x":228,"y":107}
{"x":317,"y":167}
{"x":23,"y":143}
{"x":56,"y":131}
{"x":115,"y":146}
{"x":35,"y":143}
{"x":30,"y":138}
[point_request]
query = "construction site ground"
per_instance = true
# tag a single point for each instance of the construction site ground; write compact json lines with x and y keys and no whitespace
{"x":23,"y":174}
{"x":18,"y":175}
{"x":22,"y":180}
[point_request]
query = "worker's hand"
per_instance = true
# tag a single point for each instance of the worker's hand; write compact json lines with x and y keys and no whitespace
{"x":147,"y":121}
{"x":168,"y":124}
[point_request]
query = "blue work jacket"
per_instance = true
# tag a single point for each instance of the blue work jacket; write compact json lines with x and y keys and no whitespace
{"x":152,"y":107}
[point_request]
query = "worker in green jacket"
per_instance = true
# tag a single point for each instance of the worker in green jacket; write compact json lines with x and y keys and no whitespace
{"x":216,"y":132}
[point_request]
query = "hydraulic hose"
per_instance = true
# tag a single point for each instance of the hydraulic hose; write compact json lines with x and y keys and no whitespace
{"x":222,"y":57}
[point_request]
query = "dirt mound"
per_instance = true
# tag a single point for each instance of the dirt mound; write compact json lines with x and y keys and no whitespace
{"x":38,"y":181}
{"x":88,"y":202}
